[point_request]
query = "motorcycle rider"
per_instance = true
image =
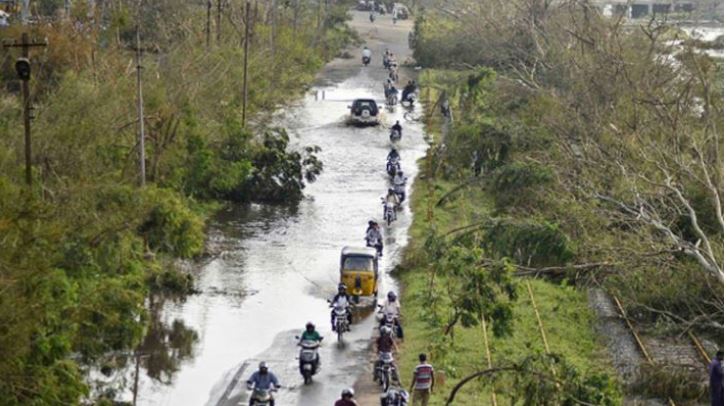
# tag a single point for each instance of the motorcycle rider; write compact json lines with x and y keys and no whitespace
{"x":392,"y":306}
{"x":310,"y":334}
{"x":397,"y":127}
{"x":393,"y":156}
{"x":263,"y":379}
{"x":346,"y":398}
{"x":399,"y":185}
{"x":374,"y":238}
{"x":366,"y":54}
{"x":392,"y":198}
{"x":384,"y":343}
{"x":341,"y":299}
{"x":408,"y":89}
{"x":372,"y":16}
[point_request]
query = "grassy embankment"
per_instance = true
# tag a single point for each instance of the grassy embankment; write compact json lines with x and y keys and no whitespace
{"x":566,"y":317}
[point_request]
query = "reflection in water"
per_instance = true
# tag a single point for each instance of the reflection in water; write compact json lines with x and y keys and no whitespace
{"x":165,"y":347}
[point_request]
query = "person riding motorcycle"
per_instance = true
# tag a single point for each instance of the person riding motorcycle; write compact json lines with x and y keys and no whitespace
{"x":399,"y":185}
{"x":341,"y":299}
{"x":263,"y":379}
{"x":391,"y":200}
{"x":397,"y":127}
{"x":384,"y":343}
{"x":392,"y":306}
{"x":391,"y":92}
{"x":393,"y":156}
{"x":372,"y":16}
{"x":393,"y":163}
{"x":310,"y":334}
{"x":374,"y":238}
{"x":366,"y":54}
{"x":408,"y":89}
{"x":346,"y":398}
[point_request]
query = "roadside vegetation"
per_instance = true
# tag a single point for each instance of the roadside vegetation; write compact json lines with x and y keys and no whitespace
{"x":581,"y":152}
{"x":82,"y":250}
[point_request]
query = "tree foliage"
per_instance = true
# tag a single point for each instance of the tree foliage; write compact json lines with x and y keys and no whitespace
{"x":82,"y":250}
{"x":615,"y":142}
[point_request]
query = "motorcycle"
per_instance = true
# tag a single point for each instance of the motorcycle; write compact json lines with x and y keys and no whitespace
{"x":395,"y":135}
{"x":385,"y":370}
{"x":408,"y":99}
{"x":400,"y":190}
{"x":308,"y":359}
{"x":341,"y":321}
{"x":366,"y":60}
{"x":389,"y":212}
{"x":392,"y":98}
{"x":372,"y":17}
{"x":261,"y":396}
{"x":392,"y":167}
{"x":394,"y":397}
{"x":393,"y":73}
{"x":389,"y":320}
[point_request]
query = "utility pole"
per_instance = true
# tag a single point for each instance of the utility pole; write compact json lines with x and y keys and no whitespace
{"x":22,"y":67}
{"x":247,"y":48}
{"x":140,"y":110}
{"x":219,"y":21}
{"x":208,"y":31}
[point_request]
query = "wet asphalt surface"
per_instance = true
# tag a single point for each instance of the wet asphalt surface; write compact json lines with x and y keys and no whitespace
{"x":279,"y":265}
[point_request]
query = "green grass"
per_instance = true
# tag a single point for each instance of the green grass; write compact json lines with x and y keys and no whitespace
{"x":568,"y":321}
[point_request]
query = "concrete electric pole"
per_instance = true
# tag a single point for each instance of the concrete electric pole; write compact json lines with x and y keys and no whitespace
{"x":22,"y":67}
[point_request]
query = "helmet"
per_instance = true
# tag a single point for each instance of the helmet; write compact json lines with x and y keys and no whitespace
{"x":310,"y":326}
{"x":263,"y":365}
{"x":385,"y":330}
{"x":390,"y":190}
{"x":347,"y":392}
{"x":397,"y":122}
{"x":391,"y":295}
{"x":400,"y":173}
{"x":371,"y":222}
{"x":341,"y":286}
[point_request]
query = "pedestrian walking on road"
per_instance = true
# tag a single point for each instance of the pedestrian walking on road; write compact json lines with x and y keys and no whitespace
{"x":423,"y":382}
{"x":715,"y":372}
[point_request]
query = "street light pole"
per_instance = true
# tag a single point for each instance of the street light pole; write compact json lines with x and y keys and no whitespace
{"x":22,"y":66}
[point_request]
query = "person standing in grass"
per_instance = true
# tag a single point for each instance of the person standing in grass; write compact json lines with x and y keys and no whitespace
{"x":715,"y":372}
{"x":423,"y":382}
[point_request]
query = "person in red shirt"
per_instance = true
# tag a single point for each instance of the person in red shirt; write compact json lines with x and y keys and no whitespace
{"x":346,"y":398}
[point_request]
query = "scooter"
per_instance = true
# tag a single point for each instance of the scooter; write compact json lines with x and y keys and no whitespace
{"x":366,"y":60}
{"x":395,"y":135}
{"x":309,"y":361}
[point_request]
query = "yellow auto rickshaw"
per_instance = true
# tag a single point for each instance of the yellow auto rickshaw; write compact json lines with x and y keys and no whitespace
{"x":359,"y":271}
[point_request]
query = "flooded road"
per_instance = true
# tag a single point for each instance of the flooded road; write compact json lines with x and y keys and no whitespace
{"x":279,"y":265}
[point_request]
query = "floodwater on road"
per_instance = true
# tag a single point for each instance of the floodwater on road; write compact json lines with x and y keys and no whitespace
{"x":279,"y":264}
